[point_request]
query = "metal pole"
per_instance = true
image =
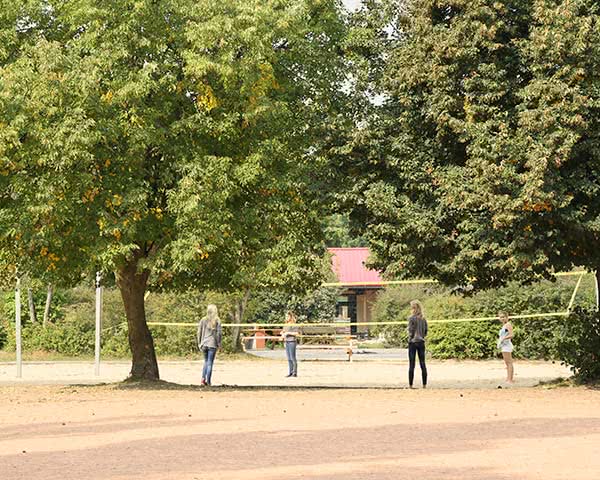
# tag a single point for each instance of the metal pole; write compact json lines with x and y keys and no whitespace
{"x":98,"y":323}
{"x":18,"y":328}
{"x":596,"y":274}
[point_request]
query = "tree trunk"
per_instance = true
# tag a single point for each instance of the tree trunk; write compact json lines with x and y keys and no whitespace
{"x":48,"y":304}
{"x":238,"y":316}
{"x":32,"y":314}
{"x":132,"y":285}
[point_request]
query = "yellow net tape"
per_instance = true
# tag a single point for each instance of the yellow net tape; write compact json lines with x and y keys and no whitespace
{"x":418,"y":281}
{"x":396,"y":322}
{"x":348,"y":324}
{"x":574,"y":293}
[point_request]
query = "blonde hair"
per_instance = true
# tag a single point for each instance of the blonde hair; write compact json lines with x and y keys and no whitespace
{"x":290,"y":317}
{"x":418,"y":308}
{"x":212,"y":316}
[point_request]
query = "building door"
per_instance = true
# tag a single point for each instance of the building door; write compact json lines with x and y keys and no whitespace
{"x":352,"y":314}
{"x":346,"y":310}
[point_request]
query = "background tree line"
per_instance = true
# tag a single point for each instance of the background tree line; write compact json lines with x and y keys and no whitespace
{"x":184,"y":144}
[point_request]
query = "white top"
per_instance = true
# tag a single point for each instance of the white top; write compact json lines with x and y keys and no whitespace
{"x":504,"y":344}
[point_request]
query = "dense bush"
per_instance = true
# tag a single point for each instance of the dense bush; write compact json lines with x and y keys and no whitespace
{"x":73,"y":333}
{"x":463,"y":340}
{"x":269,"y":306}
{"x":72,"y":329}
{"x":60,"y":298}
{"x":67,"y":338}
{"x":533,"y":338}
{"x":3,"y":334}
{"x":579,"y":344}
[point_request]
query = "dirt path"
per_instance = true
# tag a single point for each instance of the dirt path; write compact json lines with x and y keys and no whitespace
{"x":446,"y":374}
{"x":108,"y":433}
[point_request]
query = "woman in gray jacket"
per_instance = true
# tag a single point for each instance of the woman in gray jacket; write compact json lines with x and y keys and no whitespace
{"x":417,"y":331}
{"x":209,"y":340}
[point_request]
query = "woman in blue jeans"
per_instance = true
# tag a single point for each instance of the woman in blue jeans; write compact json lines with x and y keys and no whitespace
{"x":290,"y":338}
{"x":417,"y":331}
{"x":209,"y":340}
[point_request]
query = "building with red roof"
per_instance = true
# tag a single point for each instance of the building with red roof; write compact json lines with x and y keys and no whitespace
{"x":359,"y":283}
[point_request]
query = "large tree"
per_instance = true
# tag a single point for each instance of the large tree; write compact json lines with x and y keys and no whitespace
{"x":481,"y":162}
{"x":170,"y":142}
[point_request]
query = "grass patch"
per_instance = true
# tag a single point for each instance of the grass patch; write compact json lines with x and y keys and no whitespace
{"x":568,"y":383}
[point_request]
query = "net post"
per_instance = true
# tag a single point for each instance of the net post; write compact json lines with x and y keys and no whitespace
{"x":98,"y":324}
{"x":572,"y":301}
{"x":19,"y":359}
{"x":597,"y":281}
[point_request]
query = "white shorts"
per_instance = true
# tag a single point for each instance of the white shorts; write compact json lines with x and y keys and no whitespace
{"x":507,"y":349}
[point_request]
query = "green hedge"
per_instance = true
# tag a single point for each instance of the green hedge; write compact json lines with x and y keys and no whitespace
{"x":533,"y":338}
{"x":71,"y":331}
{"x":579,"y":344}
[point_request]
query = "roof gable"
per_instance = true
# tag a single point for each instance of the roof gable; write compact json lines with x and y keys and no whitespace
{"x":349,"y":266}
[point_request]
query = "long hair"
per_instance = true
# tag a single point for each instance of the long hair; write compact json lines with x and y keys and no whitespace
{"x":418,"y":308}
{"x":290,"y":317}
{"x":212,"y":315}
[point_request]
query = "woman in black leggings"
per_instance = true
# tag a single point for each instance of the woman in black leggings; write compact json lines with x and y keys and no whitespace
{"x":417,"y":331}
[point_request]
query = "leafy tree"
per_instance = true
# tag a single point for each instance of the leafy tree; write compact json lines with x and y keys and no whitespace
{"x":172,"y":142}
{"x":337,"y":232}
{"x":482,"y":163}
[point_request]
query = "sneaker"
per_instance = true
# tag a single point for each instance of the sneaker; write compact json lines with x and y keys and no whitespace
{"x":288,"y":375}
{"x":203,"y":383}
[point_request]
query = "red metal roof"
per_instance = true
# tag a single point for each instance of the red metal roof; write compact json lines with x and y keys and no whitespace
{"x":349,"y":266}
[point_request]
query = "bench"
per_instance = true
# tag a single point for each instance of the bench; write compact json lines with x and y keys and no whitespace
{"x":307,"y":333}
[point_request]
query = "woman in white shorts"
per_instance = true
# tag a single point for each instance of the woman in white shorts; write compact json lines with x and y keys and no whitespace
{"x":505,"y":345}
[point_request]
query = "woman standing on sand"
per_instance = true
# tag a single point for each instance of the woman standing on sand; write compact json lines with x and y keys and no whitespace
{"x":505,"y":345}
{"x":290,"y":338}
{"x":209,"y":340}
{"x":417,"y":331}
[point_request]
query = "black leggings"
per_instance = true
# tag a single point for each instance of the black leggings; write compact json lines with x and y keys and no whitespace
{"x":413,"y":349}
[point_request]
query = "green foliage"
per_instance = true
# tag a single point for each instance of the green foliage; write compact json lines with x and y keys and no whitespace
{"x":337,"y":232}
{"x":72,"y":331}
{"x":67,"y":338}
{"x":533,"y":338}
{"x":179,"y":138}
{"x":270,"y":306}
{"x":474,"y":340}
{"x":189,"y":133}
{"x":480,"y":166}
{"x":579,"y":344}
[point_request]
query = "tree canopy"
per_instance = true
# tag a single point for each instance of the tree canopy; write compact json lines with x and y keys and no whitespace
{"x":482,"y":162}
{"x":171,"y":142}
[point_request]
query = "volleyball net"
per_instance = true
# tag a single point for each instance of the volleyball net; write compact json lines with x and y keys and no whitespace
{"x":341,"y":329}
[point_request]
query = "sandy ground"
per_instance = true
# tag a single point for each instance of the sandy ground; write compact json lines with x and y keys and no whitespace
{"x":447,"y":374}
{"x":124,"y":433}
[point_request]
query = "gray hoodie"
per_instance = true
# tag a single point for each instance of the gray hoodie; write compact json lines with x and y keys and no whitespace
{"x":208,"y":337}
{"x":417,"y":329}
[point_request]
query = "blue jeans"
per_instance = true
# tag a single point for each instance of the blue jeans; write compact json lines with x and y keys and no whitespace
{"x":209,"y":359}
{"x":290,"y":351}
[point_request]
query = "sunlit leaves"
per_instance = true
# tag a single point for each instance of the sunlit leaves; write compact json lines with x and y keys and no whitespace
{"x":483,"y":164}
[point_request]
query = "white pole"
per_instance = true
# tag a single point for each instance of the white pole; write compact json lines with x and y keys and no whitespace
{"x":98,"y":323}
{"x":18,"y":327}
{"x":597,"y":291}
